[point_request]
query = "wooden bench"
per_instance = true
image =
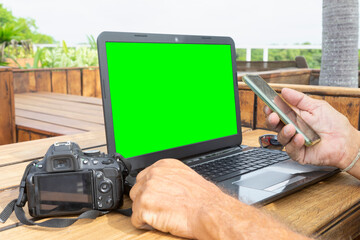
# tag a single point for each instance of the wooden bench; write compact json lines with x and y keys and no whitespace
{"x":44,"y":114}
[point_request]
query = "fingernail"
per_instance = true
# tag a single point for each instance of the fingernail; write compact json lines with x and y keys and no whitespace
{"x":296,"y":140}
{"x":146,"y":227}
{"x":286,"y":131}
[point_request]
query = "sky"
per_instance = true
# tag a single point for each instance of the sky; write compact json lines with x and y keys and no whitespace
{"x":248,"y":22}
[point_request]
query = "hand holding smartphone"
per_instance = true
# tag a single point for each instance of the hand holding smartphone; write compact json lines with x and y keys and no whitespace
{"x":277,"y":104}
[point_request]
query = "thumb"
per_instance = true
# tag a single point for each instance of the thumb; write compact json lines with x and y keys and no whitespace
{"x":297,"y":99}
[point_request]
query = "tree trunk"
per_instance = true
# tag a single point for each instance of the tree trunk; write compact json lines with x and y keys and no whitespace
{"x":339,"y":61}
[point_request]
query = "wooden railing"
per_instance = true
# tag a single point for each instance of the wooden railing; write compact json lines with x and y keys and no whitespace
{"x":86,"y":81}
{"x":345,"y":100}
{"x":7,"y":110}
{"x":75,"y":81}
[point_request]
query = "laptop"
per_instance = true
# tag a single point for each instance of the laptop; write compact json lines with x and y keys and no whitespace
{"x":176,"y":96}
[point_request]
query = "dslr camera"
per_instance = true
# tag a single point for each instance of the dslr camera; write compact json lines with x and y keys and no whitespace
{"x":70,"y":181}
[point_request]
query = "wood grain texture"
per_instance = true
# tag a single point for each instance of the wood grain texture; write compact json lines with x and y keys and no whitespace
{"x":64,"y":113}
{"x":59,"y":120}
{"x":326,"y":209}
{"x":7,"y":109}
{"x":349,"y":106}
{"x":318,"y":90}
{"x":77,"y":81}
{"x":43,"y":81}
{"x":23,"y":135}
{"x":59,"y":105}
{"x":36,"y":136}
{"x":32,"y":82}
{"x":36,"y":100}
{"x":89,"y":83}
{"x":59,"y":82}
{"x":74,"y":82}
{"x":97,"y":83}
{"x":66,"y":97}
{"x":344,"y":100}
{"x":21,"y":82}
{"x":247,"y":99}
{"x":44,"y":127}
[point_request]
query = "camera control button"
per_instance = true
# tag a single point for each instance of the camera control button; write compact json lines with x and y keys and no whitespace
{"x":109,"y":201}
{"x":95,"y":162}
{"x":85,"y":161}
{"x":99,"y":175}
{"x":100,"y":205}
{"x":107,"y":161}
{"x":100,"y":198}
{"x":92,"y":153}
{"x":105,"y":187}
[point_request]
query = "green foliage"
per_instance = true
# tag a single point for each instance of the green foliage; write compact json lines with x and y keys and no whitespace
{"x":69,"y":57}
{"x":16,"y":32}
{"x":26,"y":28}
{"x":92,"y":42}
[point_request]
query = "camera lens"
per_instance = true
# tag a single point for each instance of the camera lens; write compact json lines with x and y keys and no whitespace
{"x":104,"y":187}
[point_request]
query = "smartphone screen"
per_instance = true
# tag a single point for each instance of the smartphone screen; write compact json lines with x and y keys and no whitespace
{"x":276,"y":103}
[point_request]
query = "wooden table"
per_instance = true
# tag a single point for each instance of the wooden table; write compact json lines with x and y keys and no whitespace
{"x":328,"y":209}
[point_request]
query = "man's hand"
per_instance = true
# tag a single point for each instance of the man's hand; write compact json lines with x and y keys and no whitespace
{"x":339,"y":143}
{"x":171,"y":197}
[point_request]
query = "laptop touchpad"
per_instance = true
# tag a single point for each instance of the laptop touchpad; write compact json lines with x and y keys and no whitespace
{"x":270,"y":181}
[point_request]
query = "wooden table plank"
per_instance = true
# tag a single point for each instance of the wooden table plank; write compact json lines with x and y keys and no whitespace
{"x":25,"y":151}
{"x":73,"y":108}
{"x":68,"y":97}
{"x":59,"y":120}
{"x":55,"y":101}
{"x":98,"y":118}
{"x":44,"y":127}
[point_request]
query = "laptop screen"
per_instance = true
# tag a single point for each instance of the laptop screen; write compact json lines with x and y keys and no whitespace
{"x":168,"y":95}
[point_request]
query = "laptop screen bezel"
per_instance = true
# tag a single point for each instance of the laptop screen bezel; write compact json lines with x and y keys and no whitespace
{"x":178,"y":152}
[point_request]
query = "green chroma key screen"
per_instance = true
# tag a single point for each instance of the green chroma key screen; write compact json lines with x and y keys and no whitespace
{"x":167,"y":95}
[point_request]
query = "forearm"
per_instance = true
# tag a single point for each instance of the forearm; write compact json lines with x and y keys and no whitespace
{"x":232,"y":219}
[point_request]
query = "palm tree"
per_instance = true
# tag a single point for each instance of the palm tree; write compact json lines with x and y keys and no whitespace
{"x":339,"y":62}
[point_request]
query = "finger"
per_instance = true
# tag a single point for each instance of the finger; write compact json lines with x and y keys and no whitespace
{"x":267,"y":110}
{"x":286,"y":134}
{"x":298,"y":99}
{"x":137,"y":188}
{"x":143,"y":173}
{"x":273,"y":121}
{"x":296,"y":149}
{"x":136,"y":216}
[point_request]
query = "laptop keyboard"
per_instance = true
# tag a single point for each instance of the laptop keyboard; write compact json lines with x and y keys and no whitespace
{"x":243,"y":162}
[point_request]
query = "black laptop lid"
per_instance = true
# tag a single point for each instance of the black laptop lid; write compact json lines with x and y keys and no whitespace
{"x":168,"y":96}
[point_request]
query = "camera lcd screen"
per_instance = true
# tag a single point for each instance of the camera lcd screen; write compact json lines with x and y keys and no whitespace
{"x":64,"y":192}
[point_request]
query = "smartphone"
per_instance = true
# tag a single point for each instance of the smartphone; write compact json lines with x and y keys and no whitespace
{"x":277,"y":104}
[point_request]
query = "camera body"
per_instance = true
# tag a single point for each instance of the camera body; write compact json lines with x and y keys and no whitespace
{"x":70,"y":181}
